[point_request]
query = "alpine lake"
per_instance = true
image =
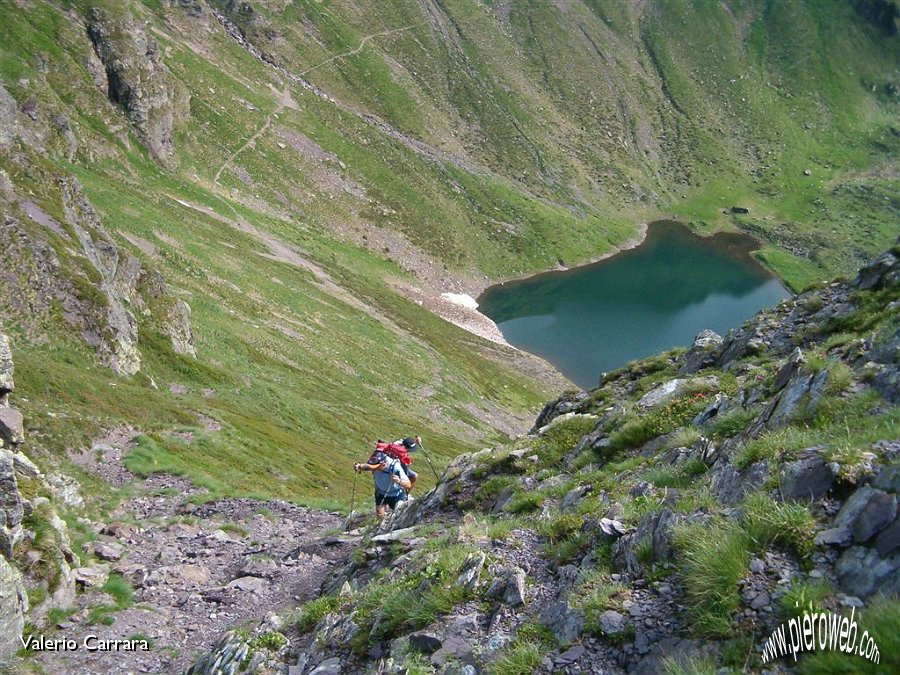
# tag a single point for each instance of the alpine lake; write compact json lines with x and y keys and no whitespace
{"x":659,"y":295}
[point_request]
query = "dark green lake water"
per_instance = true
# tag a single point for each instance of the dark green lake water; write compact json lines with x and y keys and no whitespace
{"x":596,"y":318}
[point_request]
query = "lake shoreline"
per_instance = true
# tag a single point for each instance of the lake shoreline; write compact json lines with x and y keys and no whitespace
{"x":482,"y":285}
{"x":669,"y":284}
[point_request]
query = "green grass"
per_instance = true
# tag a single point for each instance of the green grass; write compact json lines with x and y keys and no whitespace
{"x":310,"y":613}
{"x":520,"y":658}
{"x":882,"y":621}
{"x":787,"y":524}
{"x":712,"y":559}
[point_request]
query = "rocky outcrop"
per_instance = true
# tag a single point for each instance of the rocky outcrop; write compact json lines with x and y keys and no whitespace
{"x":44,"y":561}
{"x":138,"y":80}
{"x":105,"y":293}
{"x":8,"y":110}
{"x":13,"y":608}
{"x":118,"y":276}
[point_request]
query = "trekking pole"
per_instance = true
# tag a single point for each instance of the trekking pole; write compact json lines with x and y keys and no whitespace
{"x":428,"y":459}
{"x":352,"y":498}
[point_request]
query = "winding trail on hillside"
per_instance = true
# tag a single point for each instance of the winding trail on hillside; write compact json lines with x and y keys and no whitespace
{"x":359,"y":48}
{"x":198,"y":568}
{"x":284,"y":100}
{"x":282,"y":104}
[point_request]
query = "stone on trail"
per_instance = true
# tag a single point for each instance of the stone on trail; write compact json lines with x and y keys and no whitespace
{"x":471,"y":570}
{"x":612,"y":622}
{"x":107,"y":551}
{"x":253,"y":585}
{"x":426,"y":643}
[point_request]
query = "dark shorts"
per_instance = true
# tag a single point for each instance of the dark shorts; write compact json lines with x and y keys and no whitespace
{"x":390,"y":502}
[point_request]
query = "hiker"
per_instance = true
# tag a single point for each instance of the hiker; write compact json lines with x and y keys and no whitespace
{"x":411,"y":445}
{"x":391,"y":481}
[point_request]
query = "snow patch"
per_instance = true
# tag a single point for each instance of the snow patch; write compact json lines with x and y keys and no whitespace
{"x":461,"y":299}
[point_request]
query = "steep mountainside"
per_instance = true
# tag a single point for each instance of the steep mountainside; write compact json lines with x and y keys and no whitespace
{"x":226,"y":228}
{"x":665,"y":522}
{"x":250,"y":204}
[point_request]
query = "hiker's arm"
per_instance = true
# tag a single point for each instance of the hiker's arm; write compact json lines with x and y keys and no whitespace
{"x":402,"y":481}
{"x":367,"y":467}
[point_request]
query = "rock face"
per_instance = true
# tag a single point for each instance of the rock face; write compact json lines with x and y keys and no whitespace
{"x":17,"y":540}
{"x":8,"y":111}
{"x":99,"y":294}
{"x":13,"y":607}
{"x":138,"y":80}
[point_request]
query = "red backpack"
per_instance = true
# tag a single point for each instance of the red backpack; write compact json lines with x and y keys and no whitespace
{"x":396,"y":450}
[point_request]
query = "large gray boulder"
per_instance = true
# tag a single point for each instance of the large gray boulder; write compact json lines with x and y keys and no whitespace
{"x":879,"y":273}
{"x":809,"y":478}
{"x":566,"y":623}
{"x":703,"y":352}
{"x":862,"y":572}
{"x":866,"y":513}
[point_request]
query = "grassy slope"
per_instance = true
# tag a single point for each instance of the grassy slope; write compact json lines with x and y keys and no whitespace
{"x":565,"y":127}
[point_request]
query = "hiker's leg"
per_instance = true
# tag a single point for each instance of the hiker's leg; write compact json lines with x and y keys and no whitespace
{"x":380,"y":505}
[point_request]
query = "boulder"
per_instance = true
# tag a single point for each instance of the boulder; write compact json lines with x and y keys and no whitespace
{"x":12,"y":430}
{"x":426,"y":643}
{"x":662,"y":393}
{"x":90,"y":577}
{"x":453,"y":649}
{"x":888,"y":540}
{"x":789,"y":369}
{"x":719,"y":405}
{"x":13,"y":607}
{"x":874,"y":275}
{"x":107,"y":551}
{"x":332,"y":666}
{"x":888,"y":479}
{"x":835,"y":536}
{"x":509,"y":587}
{"x":471,"y":570}
{"x":6,"y":367}
{"x":703,"y":352}
{"x":253,"y":585}
{"x":574,"y":496}
{"x":612,"y":622}
{"x":862,"y":572}
{"x":566,"y":623}
{"x":806,"y":479}
{"x":730,"y":485}
{"x":866,"y":513}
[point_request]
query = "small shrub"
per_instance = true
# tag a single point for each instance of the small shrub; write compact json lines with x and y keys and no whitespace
{"x":521,"y":658}
{"x":882,"y":621}
{"x":713,"y":558}
{"x":802,"y":595}
{"x":684,"y":437}
{"x":525,"y":502}
{"x":731,"y":423}
{"x":693,"y":665}
{"x":312,"y":612}
{"x":596,"y":596}
{"x":120,"y":590}
{"x":769,"y":522}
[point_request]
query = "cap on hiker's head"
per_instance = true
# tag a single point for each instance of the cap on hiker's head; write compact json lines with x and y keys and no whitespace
{"x":410,"y":444}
